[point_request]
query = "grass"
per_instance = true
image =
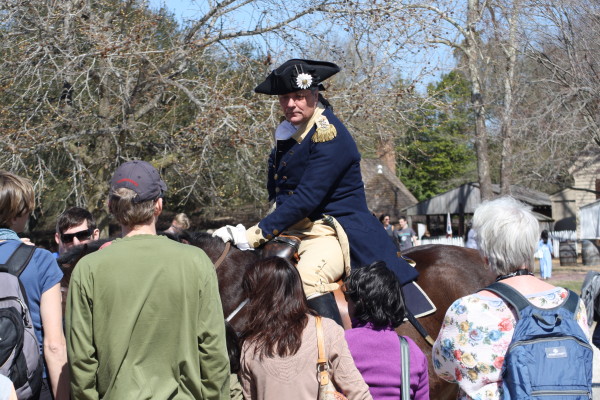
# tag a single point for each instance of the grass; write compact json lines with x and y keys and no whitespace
{"x":573,"y":285}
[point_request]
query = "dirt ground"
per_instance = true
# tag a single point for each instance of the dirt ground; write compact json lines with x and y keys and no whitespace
{"x":568,"y":272}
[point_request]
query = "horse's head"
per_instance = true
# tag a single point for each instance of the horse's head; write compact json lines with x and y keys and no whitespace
{"x":69,"y":259}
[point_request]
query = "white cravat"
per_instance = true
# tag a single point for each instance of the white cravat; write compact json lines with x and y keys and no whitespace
{"x":285,"y":130}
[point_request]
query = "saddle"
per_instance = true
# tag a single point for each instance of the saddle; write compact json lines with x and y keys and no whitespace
{"x":286,"y":247}
{"x":283,"y":246}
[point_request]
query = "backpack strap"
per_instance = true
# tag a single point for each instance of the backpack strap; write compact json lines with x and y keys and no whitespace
{"x":572,"y":302}
{"x":510,"y":295}
{"x":519,"y":302}
{"x":405,"y":360}
{"x":18,"y":260}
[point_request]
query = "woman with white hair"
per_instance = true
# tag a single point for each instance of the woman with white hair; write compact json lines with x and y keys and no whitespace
{"x":478,"y":328}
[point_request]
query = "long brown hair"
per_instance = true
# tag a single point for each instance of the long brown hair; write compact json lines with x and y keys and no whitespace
{"x":277,"y":307}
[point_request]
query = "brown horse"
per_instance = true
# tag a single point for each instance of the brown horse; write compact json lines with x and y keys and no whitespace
{"x":446,"y":273}
{"x":229,"y":273}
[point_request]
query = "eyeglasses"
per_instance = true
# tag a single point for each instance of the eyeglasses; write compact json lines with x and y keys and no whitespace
{"x":81,"y":235}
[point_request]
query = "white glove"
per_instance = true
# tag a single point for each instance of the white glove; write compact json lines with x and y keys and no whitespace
{"x":235,"y":234}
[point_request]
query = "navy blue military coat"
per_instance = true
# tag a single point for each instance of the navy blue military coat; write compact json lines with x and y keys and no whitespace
{"x":312,"y":179}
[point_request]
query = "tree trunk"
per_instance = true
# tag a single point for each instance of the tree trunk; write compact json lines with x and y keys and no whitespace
{"x":506,"y":131}
{"x":481,"y":142}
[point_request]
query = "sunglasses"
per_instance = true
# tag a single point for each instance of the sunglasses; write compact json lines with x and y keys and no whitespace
{"x":81,"y":235}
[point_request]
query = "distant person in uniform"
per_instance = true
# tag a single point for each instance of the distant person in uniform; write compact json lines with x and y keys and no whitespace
{"x":314,"y":179}
{"x":406,"y":236}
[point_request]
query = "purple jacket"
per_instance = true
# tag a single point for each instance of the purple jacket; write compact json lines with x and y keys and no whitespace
{"x":377,"y":357}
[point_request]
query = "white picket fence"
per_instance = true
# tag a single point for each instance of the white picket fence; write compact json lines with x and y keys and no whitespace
{"x":556,"y":236}
{"x":454,"y":241}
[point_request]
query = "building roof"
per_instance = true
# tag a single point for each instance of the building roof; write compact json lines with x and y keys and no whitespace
{"x":465,"y":198}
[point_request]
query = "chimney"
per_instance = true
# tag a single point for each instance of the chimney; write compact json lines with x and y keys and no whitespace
{"x":386,"y":152}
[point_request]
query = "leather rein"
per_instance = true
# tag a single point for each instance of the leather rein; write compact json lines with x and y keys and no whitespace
{"x":287,"y":248}
{"x":223,"y":255}
{"x":217,"y":265}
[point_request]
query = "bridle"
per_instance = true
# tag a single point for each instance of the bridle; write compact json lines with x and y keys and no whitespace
{"x":217,"y":265}
{"x":223,"y":255}
{"x":289,"y":250}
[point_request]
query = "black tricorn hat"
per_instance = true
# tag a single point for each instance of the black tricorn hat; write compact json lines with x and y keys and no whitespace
{"x":296,"y":74}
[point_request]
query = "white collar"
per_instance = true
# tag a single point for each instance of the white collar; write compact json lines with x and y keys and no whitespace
{"x":285,"y":130}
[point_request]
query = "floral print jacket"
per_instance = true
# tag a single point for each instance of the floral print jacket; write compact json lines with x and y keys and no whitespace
{"x":474,"y":337}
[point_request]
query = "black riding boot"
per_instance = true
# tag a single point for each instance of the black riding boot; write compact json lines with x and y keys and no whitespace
{"x":326,"y":307}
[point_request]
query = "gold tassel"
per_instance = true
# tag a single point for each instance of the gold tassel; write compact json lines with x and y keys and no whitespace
{"x":325,"y":131}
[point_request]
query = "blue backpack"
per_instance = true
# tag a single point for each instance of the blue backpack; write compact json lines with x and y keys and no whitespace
{"x":549,"y":356}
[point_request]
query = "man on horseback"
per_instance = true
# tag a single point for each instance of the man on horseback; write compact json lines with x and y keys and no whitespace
{"x":315,"y":182}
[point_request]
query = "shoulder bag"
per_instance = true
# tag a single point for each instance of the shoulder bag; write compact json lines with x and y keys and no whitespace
{"x":326,"y":389}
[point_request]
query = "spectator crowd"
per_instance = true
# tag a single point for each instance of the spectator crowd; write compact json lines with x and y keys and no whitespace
{"x":143,"y":314}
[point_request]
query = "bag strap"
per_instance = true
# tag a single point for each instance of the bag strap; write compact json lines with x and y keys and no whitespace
{"x":322,"y":362}
{"x":405,"y":359}
{"x":572,"y":302}
{"x":510,"y":295}
{"x":519,"y":302}
{"x":18,"y":260}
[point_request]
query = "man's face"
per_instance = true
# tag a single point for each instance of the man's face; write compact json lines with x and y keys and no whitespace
{"x":75,"y":235}
{"x":298,"y":106}
{"x":402,"y":223}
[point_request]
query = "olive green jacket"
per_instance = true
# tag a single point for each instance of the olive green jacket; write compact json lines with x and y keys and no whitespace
{"x":144,"y":321}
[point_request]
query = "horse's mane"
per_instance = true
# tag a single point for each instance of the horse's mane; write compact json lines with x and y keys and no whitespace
{"x":75,"y":253}
{"x":202,"y":239}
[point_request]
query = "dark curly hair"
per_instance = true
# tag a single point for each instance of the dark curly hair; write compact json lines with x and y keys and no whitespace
{"x":377,"y":296}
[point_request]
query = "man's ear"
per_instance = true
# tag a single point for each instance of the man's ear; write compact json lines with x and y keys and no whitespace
{"x":57,"y":238}
{"x":96,"y":234}
{"x":158,"y":207}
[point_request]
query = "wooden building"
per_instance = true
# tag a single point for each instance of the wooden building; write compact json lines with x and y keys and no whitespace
{"x":567,"y":202}
{"x":461,"y":202}
{"x":386,"y":194}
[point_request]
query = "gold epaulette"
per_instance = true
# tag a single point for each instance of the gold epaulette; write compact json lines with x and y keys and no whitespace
{"x":325,"y":131}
